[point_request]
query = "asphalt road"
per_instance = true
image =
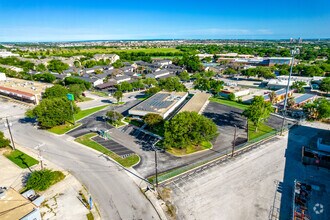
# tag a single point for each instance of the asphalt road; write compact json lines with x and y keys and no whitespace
{"x":96,"y":120}
{"x":115,"y":192}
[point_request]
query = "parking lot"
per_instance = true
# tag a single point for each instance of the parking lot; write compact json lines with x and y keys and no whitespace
{"x":144,"y":139}
{"x":226,"y":118}
{"x":113,"y":146}
{"x":254,"y":185}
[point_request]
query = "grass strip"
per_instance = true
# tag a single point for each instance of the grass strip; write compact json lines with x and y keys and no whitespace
{"x":87,"y":141}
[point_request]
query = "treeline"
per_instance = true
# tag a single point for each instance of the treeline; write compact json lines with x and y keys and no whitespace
{"x":307,"y":52}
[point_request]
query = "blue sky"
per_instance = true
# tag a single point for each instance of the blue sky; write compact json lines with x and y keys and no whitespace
{"x":49,"y":20}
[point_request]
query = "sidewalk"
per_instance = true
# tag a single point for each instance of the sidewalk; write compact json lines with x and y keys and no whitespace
{"x":61,"y":200}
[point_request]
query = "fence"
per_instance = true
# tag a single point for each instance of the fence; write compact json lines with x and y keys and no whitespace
{"x":180,"y":172}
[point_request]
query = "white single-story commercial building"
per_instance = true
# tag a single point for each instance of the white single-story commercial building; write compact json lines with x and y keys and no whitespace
{"x":162,"y":103}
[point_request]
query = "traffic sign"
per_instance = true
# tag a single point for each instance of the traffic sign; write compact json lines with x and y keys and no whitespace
{"x":70,"y":97}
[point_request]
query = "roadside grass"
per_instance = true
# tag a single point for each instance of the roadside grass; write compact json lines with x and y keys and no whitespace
{"x":117,"y":123}
{"x":126,"y":162}
{"x":85,"y":99}
{"x":229,"y":103}
{"x":101,"y":94}
{"x":189,"y":149}
{"x":90,"y":216}
{"x":21,"y":159}
{"x":89,"y":111}
{"x":62,"y":129}
{"x":262,"y":130}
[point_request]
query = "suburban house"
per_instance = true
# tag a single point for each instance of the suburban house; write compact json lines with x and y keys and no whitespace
{"x":127,"y":69}
{"x":112,"y":57}
{"x":163,"y":62}
{"x":92,"y":79}
{"x":93,"y":69}
{"x":123,"y":78}
{"x":161,"y":73}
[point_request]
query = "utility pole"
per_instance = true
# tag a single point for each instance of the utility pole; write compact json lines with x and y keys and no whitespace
{"x":38,"y":148}
{"x":234,"y":142}
{"x":74,"y":121}
{"x":11,"y":136}
{"x":293,"y":52}
{"x":156,"y":165}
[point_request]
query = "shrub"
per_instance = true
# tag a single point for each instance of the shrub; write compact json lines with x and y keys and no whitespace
{"x":43,"y":179}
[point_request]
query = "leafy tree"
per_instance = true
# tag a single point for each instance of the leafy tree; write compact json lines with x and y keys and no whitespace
{"x":191,"y":62}
{"x":208,"y":85}
{"x":138,"y":84}
{"x":45,"y":77}
{"x":152,"y":91}
{"x":55,"y":91}
{"x":216,"y":86}
{"x":125,"y":86}
{"x":230,"y":71}
{"x":72,"y":80}
{"x":114,"y":116}
{"x":118,"y":95}
{"x":76,"y":90}
{"x":4,"y":142}
{"x":319,"y":109}
{"x":258,"y":111}
{"x":188,"y":128}
{"x":172,"y":84}
{"x":231,"y":97}
{"x":53,"y":112}
{"x":117,"y":64}
{"x":184,"y":76}
{"x":299,"y":86}
{"x":325,"y":85}
{"x":57,"y":66}
{"x":272,"y":97}
{"x":152,"y":119}
{"x":41,"y":67}
{"x":150,"y":81}
{"x":98,"y":71}
{"x":77,"y":64}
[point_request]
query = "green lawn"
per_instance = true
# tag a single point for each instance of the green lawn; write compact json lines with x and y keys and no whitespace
{"x":84,"y":113}
{"x":99,"y":93}
{"x":126,"y":162}
{"x":229,"y":103}
{"x":62,"y":129}
{"x":262,"y":131}
{"x":85,"y":99}
{"x":190,"y":149}
{"x":21,"y":159}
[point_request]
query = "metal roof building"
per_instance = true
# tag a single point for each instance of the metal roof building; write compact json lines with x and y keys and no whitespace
{"x":162,"y":103}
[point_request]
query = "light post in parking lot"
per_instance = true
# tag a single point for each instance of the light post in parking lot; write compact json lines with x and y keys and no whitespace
{"x":293,"y":52}
{"x":234,"y":142}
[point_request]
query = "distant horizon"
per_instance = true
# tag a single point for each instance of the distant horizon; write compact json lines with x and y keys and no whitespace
{"x":167,"y":39}
{"x":74,"y":20}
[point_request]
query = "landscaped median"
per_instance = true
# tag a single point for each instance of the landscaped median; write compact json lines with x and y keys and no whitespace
{"x":126,"y":162}
{"x":229,"y":103}
{"x":205,"y":145}
{"x":20,"y":159}
{"x":62,"y":129}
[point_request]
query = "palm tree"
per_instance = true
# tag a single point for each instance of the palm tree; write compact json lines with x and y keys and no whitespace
{"x":291,"y":102}
{"x":272,"y":97}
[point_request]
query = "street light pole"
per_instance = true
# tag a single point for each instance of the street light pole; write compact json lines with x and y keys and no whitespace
{"x":11,"y":136}
{"x":293,"y":52}
{"x":74,"y":121}
{"x":38,"y":148}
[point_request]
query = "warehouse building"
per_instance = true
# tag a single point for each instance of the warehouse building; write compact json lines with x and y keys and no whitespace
{"x":197,"y":103}
{"x":162,"y":103}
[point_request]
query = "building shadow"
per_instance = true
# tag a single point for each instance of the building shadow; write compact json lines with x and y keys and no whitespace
{"x":294,"y":169}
